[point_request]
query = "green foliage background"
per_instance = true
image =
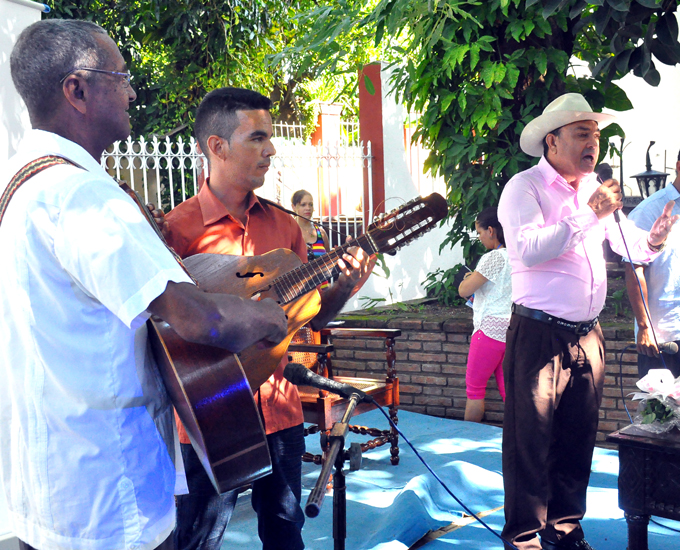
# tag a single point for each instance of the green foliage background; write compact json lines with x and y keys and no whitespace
{"x":479,"y":70}
{"x":178,"y":50}
{"x":476,"y":70}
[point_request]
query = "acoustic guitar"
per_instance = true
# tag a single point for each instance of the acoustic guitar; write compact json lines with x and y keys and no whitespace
{"x":211,"y":388}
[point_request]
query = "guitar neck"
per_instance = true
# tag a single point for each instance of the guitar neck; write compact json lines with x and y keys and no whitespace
{"x":390,"y":232}
{"x":307,"y":277}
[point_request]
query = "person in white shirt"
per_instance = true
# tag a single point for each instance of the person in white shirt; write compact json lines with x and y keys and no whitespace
{"x":659,"y":286}
{"x":492,"y":288}
{"x":87,"y":444}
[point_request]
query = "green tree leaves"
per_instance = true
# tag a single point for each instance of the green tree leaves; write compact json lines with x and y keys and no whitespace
{"x":178,"y":51}
{"x":479,"y":71}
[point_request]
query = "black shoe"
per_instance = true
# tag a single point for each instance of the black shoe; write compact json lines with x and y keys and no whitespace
{"x":581,"y":544}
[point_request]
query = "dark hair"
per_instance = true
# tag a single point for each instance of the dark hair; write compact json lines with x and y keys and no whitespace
{"x":216,"y":115}
{"x":555,"y":132}
{"x":678,"y":155}
{"x":46,"y":52}
{"x":489,"y":218}
{"x":298,"y":196}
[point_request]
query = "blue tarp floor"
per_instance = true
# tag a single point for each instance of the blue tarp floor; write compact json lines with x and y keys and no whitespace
{"x":393,"y":507}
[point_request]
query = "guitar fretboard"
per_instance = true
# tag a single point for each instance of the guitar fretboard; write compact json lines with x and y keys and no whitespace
{"x":307,"y":277}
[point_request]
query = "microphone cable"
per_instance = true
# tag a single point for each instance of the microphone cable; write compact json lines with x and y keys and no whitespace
{"x":441,"y":482}
{"x":642,"y":294}
{"x":623,"y":398}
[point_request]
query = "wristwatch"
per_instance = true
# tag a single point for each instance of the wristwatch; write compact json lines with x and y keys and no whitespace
{"x":656,"y":248}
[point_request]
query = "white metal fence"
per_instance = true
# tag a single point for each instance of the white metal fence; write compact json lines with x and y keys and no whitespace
{"x":168,"y":172}
{"x":333,"y":175}
{"x":163,"y":172}
{"x":291,"y":132}
{"x":349,"y":132}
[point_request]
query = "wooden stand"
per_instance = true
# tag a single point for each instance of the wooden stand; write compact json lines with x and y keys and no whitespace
{"x":649,"y":479}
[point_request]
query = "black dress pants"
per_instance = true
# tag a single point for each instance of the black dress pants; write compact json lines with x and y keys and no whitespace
{"x":553,"y":381}
{"x":203,"y":515}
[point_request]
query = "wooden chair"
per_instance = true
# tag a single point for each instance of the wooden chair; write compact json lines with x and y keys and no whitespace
{"x":322,"y":409}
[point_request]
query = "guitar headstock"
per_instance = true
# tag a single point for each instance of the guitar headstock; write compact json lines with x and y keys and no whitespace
{"x":408,"y":222}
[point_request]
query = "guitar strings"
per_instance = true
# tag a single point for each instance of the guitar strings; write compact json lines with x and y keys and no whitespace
{"x":308,"y":276}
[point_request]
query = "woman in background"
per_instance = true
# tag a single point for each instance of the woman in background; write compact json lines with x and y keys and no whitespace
{"x":315,"y":236}
{"x":317,"y":245}
{"x":491,"y":286}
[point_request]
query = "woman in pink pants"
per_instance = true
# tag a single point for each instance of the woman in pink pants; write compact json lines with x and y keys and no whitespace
{"x":492,"y":289}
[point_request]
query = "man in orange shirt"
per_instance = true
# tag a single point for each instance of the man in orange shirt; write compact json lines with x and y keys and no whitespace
{"x":234,"y":130}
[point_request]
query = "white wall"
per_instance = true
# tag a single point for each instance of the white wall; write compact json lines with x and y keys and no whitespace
{"x":13,"y":122}
{"x":13,"y":115}
{"x":412,"y":263}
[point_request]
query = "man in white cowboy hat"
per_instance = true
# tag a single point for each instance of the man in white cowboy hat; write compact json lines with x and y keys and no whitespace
{"x":556,"y":216}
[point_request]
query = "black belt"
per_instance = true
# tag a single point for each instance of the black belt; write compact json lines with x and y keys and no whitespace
{"x":581,"y":329}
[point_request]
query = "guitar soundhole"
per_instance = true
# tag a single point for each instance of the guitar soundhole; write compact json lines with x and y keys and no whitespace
{"x":249,"y":275}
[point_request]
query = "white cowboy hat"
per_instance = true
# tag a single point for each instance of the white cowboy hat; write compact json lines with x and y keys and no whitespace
{"x":564,"y":110}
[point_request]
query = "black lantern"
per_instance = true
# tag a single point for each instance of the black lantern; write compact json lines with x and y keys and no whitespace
{"x":650,"y":181}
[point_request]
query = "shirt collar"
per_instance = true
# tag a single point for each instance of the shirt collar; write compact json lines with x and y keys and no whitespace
{"x":550,"y":175}
{"x":212,"y":209}
{"x":48,"y":143}
{"x":672,"y":193}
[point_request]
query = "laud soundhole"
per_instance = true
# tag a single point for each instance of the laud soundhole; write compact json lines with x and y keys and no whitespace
{"x":249,"y":274}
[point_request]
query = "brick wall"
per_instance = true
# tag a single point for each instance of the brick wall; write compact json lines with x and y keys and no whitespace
{"x":431,"y":360}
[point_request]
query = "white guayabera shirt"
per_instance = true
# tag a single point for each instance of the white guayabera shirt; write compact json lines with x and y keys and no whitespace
{"x":86,"y":429}
{"x":663,"y":274}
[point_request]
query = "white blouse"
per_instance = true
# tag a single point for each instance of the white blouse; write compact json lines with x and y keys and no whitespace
{"x":491,"y":306}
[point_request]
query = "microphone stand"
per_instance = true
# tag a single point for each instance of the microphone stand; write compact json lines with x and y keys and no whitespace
{"x":335,"y":457}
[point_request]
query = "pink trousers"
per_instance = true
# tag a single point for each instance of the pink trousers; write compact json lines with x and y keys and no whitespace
{"x":484,"y":359}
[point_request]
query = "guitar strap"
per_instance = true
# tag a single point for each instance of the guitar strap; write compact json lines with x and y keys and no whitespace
{"x":149,"y":218}
{"x":27,"y":172}
{"x":43,"y":163}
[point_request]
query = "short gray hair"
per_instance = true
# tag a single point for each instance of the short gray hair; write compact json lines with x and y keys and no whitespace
{"x":45,"y":53}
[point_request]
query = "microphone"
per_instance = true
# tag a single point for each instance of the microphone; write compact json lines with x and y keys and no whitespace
{"x":669,"y":348}
{"x":299,"y":375}
{"x":605,"y":172}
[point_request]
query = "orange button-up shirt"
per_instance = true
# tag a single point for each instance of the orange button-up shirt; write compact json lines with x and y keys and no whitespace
{"x":202,"y":224}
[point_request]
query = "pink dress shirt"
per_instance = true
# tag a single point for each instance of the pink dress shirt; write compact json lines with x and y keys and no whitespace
{"x":554,"y":241}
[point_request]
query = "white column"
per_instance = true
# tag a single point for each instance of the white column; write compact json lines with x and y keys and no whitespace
{"x":412,"y":263}
{"x":14,"y":17}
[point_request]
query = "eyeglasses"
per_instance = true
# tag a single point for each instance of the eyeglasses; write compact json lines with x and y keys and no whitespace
{"x":127,"y":75}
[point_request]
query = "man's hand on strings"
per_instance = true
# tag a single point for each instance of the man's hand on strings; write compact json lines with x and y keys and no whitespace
{"x":353,"y":265}
{"x":159,"y":218}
